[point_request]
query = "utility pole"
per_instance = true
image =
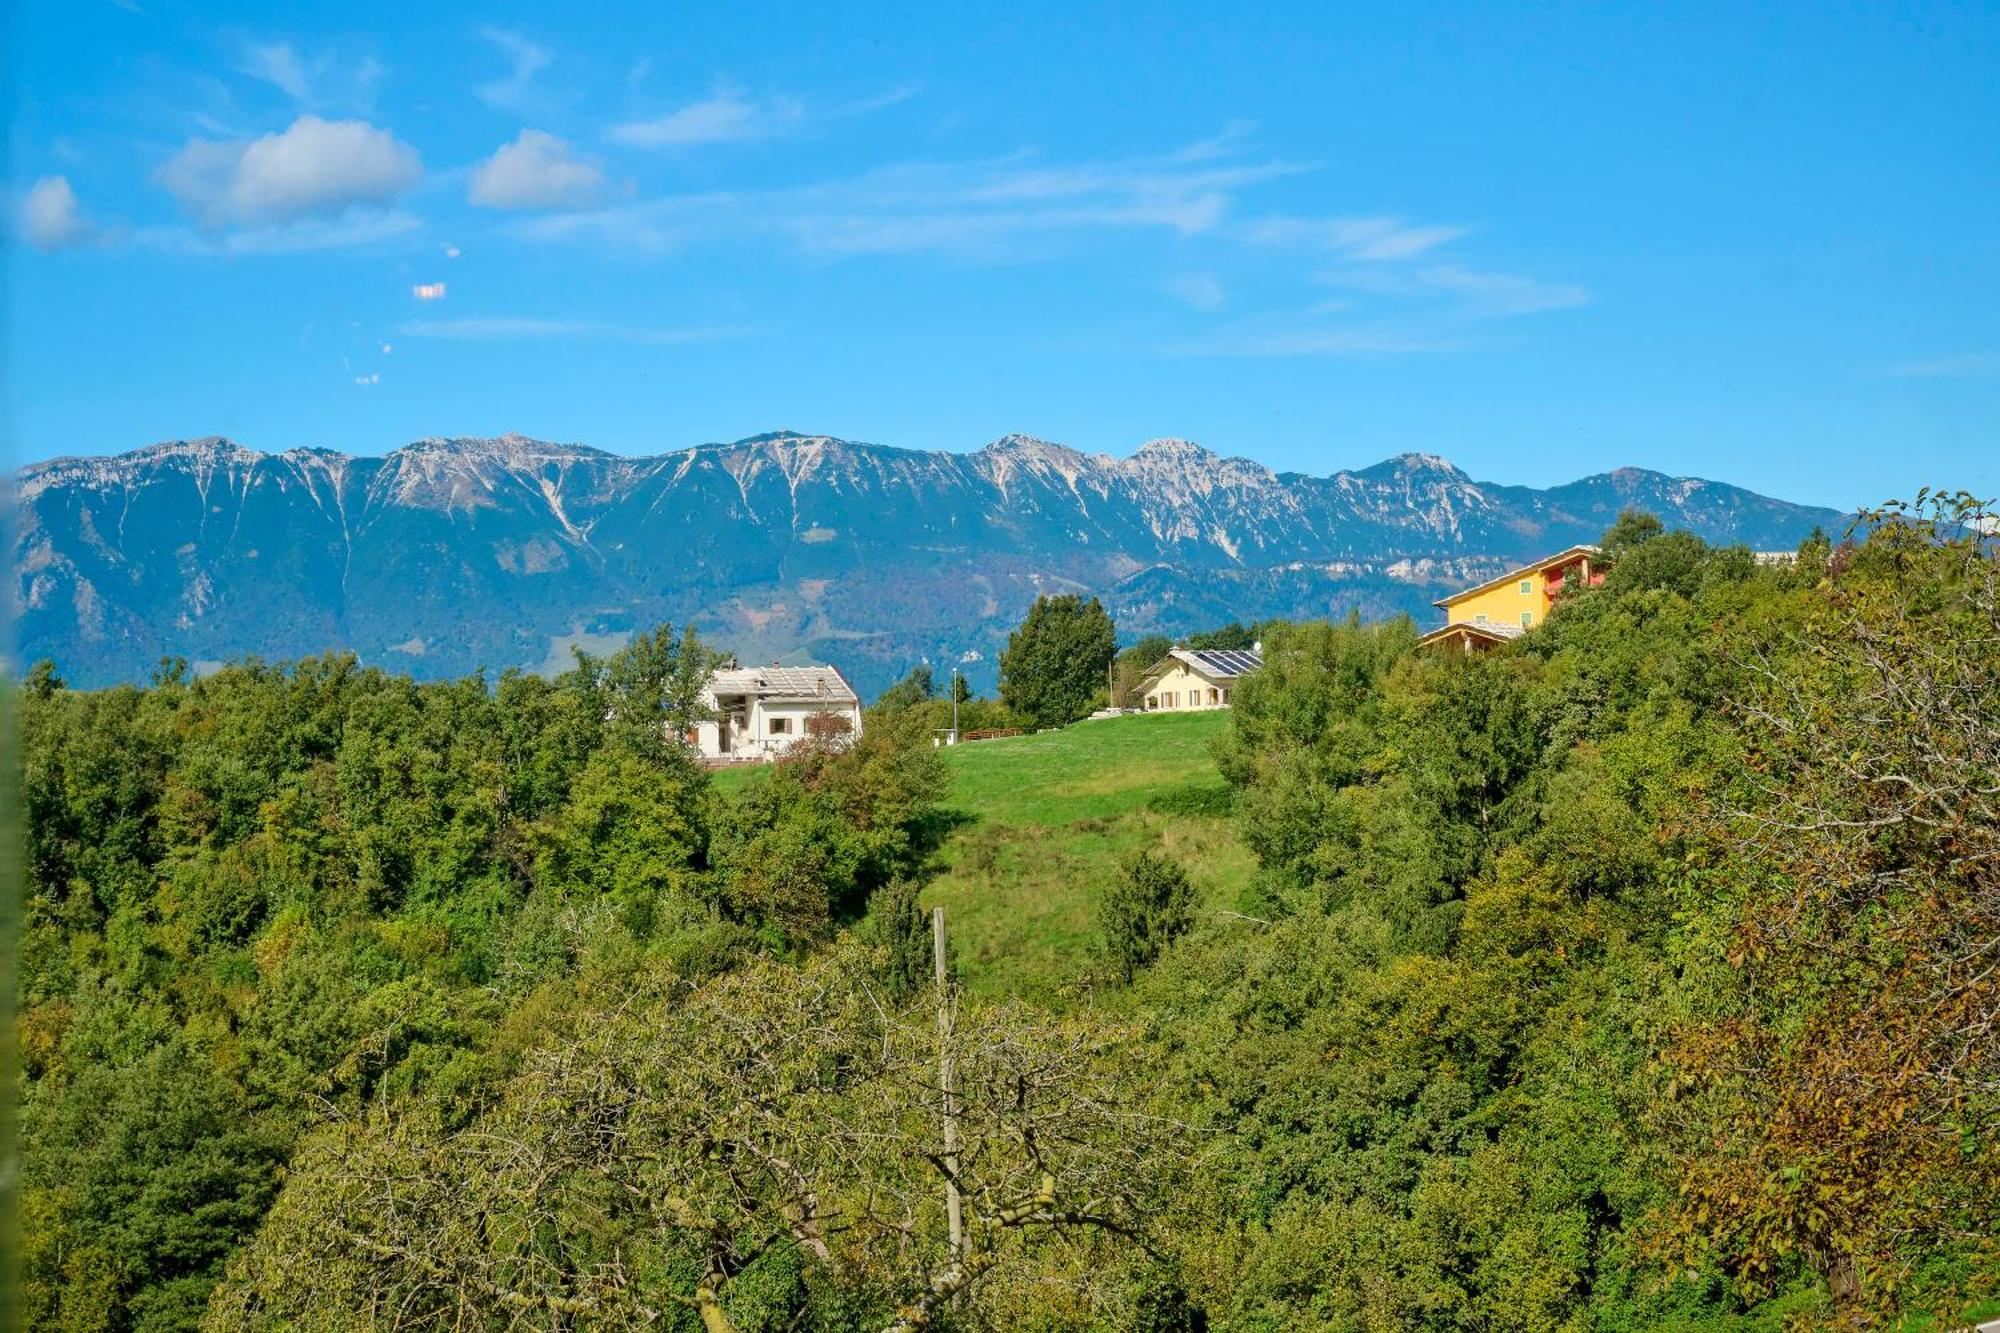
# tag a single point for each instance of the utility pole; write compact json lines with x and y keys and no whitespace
{"x":954,"y":1209}
{"x":954,"y":726}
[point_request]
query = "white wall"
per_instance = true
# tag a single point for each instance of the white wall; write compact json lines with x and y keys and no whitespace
{"x":758,"y":741}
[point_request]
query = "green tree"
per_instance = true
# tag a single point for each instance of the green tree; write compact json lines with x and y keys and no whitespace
{"x":1233,"y":637}
{"x":1053,"y":670}
{"x":714,"y":1153}
{"x":913,"y":689}
{"x":1147,"y":907}
{"x":899,"y":926}
{"x":1834,"y":1056}
{"x":652,"y":687}
{"x":1635,"y":527}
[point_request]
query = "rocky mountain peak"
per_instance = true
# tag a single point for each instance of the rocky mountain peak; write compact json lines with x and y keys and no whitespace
{"x":1414,"y":464}
{"x":501,"y":551}
{"x":207,"y":449}
{"x":1177,"y":450}
{"x":1017,"y":443}
{"x":511,"y":448}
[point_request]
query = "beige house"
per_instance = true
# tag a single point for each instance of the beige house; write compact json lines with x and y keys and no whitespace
{"x":760,"y":713}
{"x":1190,"y":679}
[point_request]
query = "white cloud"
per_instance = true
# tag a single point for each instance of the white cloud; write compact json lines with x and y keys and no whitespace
{"x":726,"y":116}
{"x":314,"y":168}
{"x":514,"y":91}
{"x":536,"y":171}
{"x":51,"y":218}
{"x":277,"y":64}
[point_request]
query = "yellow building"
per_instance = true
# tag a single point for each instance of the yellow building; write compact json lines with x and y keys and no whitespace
{"x":1187,"y":679}
{"x":1505,"y":608}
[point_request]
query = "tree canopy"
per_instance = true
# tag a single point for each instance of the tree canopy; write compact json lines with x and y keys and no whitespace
{"x":1054,"y":668}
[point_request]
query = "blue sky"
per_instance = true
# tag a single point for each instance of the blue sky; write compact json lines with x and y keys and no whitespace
{"x":1755,"y":243}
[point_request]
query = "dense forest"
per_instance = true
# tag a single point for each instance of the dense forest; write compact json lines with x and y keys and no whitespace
{"x":1641,"y":974}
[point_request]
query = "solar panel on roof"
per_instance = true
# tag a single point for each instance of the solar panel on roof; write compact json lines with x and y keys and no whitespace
{"x":1226,"y":662}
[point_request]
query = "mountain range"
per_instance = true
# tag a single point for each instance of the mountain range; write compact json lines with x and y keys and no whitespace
{"x":448,"y":555}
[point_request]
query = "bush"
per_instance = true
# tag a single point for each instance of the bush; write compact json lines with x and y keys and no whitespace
{"x":1144,"y":911}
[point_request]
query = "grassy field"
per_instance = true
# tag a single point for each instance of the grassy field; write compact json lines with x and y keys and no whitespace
{"x":1046,"y":819}
{"x":1049,"y":816}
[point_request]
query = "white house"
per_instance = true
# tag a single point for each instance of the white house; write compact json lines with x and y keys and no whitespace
{"x":762,"y":712}
{"x":1188,"y":679}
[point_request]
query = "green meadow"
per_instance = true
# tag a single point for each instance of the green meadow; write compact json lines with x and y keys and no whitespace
{"x":1045,"y":821}
{"x":1040,"y":825}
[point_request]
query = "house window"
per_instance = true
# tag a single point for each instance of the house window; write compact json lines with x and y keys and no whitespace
{"x":1213,"y":697}
{"x":781,"y":726}
{"x":1526,"y":587}
{"x":1527,"y":619}
{"x":1479,"y":619}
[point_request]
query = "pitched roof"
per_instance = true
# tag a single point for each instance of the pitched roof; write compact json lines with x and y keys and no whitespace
{"x":776,"y":682}
{"x":1497,"y":633}
{"x":1215,"y":663}
{"x":1221,"y":661}
{"x":1525,"y":571}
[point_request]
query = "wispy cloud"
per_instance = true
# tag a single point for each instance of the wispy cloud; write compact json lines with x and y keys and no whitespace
{"x":1404,"y":291}
{"x":514,"y":91}
{"x":1361,"y":238}
{"x":727,"y":115}
{"x":320,"y":81}
{"x":1310,"y":342}
{"x":359,"y":227}
{"x":515,"y":328}
{"x":1202,"y":291}
{"x":278,"y":64}
{"x":1503,"y":294}
{"x":731,"y":115}
{"x":1966,"y":366}
{"x":993,"y":208}
{"x":1465,"y":293}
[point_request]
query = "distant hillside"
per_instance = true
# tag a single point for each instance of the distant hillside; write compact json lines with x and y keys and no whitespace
{"x":446,"y":555}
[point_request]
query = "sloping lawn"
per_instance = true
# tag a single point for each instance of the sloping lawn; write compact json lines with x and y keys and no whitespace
{"x":1048,"y":818}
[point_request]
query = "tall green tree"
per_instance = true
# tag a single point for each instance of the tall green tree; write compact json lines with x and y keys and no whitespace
{"x":652,"y":687}
{"x":915,"y":688}
{"x":1054,"y":668}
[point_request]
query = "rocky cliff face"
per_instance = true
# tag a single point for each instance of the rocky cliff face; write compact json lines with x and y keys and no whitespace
{"x":447,"y":555}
